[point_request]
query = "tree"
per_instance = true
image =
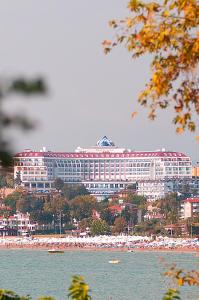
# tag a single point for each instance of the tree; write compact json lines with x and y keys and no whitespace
{"x":9,"y":181}
{"x":132,"y":186}
{"x":85,"y":223}
{"x":169,"y":207}
{"x":24,"y":204}
{"x":17,"y":179}
{"x":99,"y":227}
{"x":138,"y":200}
{"x":107,"y":216}
{"x":35,"y":207}
{"x":82,"y":206}
{"x":130,"y":215}
{"x":168,"y":31}
{"x":149,"y":227}
{"x":6,"y":180}
{"x":2,"y":181}
{"x":12,"y":199}
{"x":58,"y":184}
{"x":56,"y":206}
{"x":119,"y":225}
{"x":71,"y":191}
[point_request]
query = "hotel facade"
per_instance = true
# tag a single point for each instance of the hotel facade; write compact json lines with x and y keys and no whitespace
{"x":103,"y":169}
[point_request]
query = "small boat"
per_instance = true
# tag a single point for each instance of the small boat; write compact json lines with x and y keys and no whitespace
{"x":55,"y":251}
{"x":115,"y":261}
{"x":129,"y":251}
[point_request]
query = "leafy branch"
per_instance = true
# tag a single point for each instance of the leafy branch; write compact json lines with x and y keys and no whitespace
{"x":169,"y":31}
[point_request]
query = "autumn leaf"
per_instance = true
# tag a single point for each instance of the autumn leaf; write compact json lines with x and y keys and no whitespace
{"x":180,"y":281}
{"x":168,"y":31}
{"x":179,"y":130}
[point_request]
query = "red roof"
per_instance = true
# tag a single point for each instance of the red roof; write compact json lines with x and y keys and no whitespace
{"x":116,"y":208}
{"x":192,"y":200}
{"x":100,"y":155}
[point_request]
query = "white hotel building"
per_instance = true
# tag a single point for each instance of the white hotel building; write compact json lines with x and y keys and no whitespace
{"x":103,"y":169}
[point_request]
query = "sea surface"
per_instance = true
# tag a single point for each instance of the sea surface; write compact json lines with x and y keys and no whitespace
{"x":137,"y":277}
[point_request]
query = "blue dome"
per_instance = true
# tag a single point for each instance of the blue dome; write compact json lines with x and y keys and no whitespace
{"x":105,"y":142}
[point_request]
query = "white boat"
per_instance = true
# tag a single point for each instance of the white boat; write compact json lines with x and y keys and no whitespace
{"x":129,"y":251}
{"x":115,"y":261}
{"x":55,"y":251}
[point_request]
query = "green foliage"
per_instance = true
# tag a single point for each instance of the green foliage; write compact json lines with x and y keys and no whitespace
{"x":17,"y":179}
{"x":56,"y":206}
{"x":138,"y":200}
{"x":99,"y":227}
{"x":132,"y":186}
{"x":150,"y":227}
{"x":82,"y":206}
{"x":9,"y":295}
{"x":79,"y":289}
{"x":58,"y":184}
{"x":6,"y":181}
{"x":130,"y":215}
{"x":119,"y":225}
{"x":171,"y":294}
{"x":11,"y":200}
{"x":28,"y":87}
{"x":107,"y":216}
{"x":85,"y":223}
{"x":70,"y":191}
{"x":169,"y":207}
{"x":2,"y":181}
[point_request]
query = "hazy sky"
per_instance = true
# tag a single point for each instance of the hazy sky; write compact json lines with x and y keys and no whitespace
{"x":90,"y":94}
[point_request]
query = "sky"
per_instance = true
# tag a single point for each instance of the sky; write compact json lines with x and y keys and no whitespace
{"x":90,"y":94}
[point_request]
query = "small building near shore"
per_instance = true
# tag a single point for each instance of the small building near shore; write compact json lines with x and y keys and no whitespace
{"x":18,"y":224}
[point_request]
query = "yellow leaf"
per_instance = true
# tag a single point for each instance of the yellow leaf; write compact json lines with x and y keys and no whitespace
{"x":180,"y":281}
{"x":129,"y":22}
{"x":165,"y":13}
{"x":179,"y":130}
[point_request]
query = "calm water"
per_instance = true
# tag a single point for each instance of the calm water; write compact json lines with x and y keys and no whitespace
{"x":137,"y":277}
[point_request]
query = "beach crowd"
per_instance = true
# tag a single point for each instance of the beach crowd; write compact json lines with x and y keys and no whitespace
{"x":120,"y":243}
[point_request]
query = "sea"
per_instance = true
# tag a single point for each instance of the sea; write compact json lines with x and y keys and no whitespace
{"x":138,"y":276}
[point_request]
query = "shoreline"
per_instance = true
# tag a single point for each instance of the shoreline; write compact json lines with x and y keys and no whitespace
{"x":136,"y":244}
{"x":98,"y":249}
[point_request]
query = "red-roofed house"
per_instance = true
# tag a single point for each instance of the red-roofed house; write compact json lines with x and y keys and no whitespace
{"x":116,"y":209}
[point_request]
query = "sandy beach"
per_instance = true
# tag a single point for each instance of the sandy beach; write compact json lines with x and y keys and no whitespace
{"x":102,"y":243}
